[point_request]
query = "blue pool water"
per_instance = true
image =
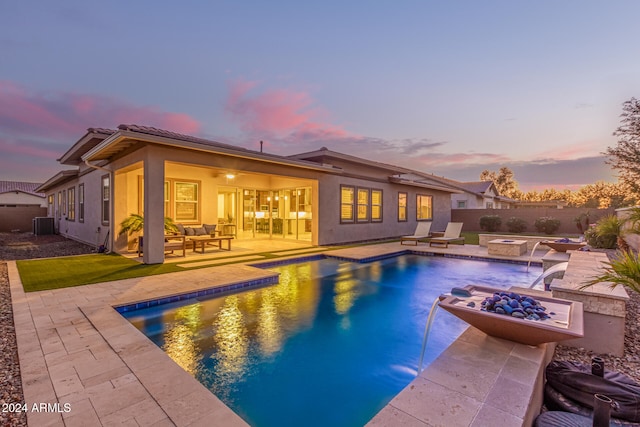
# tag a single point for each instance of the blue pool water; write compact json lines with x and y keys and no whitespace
{"x":330,"y":345}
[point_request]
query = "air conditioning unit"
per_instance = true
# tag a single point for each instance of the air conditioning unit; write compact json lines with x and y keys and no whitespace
{"x":43,"y":225}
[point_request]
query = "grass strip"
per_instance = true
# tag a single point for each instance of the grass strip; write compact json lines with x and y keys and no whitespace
{"x":64,"y":272}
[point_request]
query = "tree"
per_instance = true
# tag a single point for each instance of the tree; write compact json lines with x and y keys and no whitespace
{"x":503,"y":180}
{"x":625,"y":157}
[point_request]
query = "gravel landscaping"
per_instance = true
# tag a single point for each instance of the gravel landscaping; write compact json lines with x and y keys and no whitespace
{"x":26,"y":246}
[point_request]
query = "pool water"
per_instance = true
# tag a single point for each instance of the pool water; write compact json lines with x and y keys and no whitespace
{"x":330,"y":345}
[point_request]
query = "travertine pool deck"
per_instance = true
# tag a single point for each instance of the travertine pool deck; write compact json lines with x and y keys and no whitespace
{"x":75,"y":349}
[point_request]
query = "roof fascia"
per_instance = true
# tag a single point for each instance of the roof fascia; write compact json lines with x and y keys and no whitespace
{"x":58,"y":178}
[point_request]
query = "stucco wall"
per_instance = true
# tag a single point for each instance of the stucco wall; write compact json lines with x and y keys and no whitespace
{"x":331,"y":231}
{"x":20,"y":198}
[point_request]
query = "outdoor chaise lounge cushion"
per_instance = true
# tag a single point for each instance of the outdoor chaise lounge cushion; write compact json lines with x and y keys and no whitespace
{"x":451,"y":234}
{"x":423,"y":231}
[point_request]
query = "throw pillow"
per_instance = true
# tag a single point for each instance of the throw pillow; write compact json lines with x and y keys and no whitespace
{"x":180,"y":228}
{"x":188,"y":231}
{"x":211,"y":228}
{"x":200,"y":231}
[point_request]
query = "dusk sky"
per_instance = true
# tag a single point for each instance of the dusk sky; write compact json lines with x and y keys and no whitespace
{"x":445,"y":87}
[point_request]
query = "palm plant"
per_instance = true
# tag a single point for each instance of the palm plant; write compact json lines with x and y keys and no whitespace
{"x":623,"y":270}
{"x":608,"y":232}
{"x":134,"y":223}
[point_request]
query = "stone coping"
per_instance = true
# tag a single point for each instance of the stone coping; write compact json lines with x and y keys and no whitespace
{"x":477,"y":381}
{"x":583,"y":266}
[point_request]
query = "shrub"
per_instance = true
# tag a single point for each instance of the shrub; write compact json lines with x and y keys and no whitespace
{"x":516,"y":225}
{"x":490,"y":222}
{"x":547,"y":224}
{"x":606,"y":234}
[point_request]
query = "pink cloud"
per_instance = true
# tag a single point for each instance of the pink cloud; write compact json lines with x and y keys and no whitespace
{"x":572,"y":151}
{"x":28,"y":149}
{"x":278,"y":113}
{"x":69,"y":114}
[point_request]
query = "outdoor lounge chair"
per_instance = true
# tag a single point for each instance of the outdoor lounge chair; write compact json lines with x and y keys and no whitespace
{"x":451,"y":234}
{"x":423,"y":231}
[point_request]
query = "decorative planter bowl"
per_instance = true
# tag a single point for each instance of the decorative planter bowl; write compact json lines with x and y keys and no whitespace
{"x":565,"y":323}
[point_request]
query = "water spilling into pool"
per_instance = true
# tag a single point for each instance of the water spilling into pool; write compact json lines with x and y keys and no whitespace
{"x":331,"y":344}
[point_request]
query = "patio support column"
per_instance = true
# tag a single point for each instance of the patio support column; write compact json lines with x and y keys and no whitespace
{"x":153,"y":205}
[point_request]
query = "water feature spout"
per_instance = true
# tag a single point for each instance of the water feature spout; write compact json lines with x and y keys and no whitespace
{"x":531,"y":256}
{"x":562,"y":266}
{"x":427,"y":328}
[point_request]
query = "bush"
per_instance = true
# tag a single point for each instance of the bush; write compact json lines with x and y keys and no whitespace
{"x":547,"y":224}
{"x":605,"y":233}
{"x":490,"y":222}
{"x":516,"y":225}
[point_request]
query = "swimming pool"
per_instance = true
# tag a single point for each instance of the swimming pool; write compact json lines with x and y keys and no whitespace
{"x":331,"y":344}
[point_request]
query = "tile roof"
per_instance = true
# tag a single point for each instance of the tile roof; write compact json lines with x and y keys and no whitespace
{"x":168,"y":134}
{"x":23,"y":187}
{"x":476,"y":186}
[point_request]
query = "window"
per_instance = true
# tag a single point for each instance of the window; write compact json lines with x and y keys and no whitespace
{"x":376,"y":205}
{"x":186,"y":201}
{"x":462,"y":204}
{"x":347,"y":201}
{"x":81,"y":203}
{"x":489,"y":205}
{"x":424,"y":207}
{"x":51,"y":205}
{"x":106,"y":195}
{"x":363,"y":204}
{"x":71,"y":204}
{"x":64,"y":202}
{"x":59,"y":204}
{"x":402,"y":207}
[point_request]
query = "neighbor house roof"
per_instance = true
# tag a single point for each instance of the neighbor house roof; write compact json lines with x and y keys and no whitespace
{"x":480,"y":187}
{"x":22,"y":187}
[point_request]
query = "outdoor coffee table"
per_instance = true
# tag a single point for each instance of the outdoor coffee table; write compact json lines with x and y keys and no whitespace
{"x":202,"y":241}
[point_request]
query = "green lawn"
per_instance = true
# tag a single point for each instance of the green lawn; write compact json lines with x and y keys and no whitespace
{"x":63,"y":272}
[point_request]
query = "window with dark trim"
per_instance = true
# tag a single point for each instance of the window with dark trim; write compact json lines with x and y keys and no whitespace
{"x":363,"y":205}
{"x":347,"y":203}
{"x":71,"y":204}
{"x":59,"y":204}
{"x":51,"y":205}
{"x":81,"y":203}
{"x":106,"y":196}
{"x":402,"y":207}
{"x":424,"y":207}
{"x":376,"y":205}
{"x":64,"y":202}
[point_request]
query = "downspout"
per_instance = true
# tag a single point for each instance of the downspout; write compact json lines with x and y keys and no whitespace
{"x":111,"y":207}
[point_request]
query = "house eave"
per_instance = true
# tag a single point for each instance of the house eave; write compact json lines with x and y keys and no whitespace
{"x":124,"y":139}
{"x":57,"y":179}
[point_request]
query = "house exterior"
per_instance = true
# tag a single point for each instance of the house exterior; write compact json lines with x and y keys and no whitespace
{"x":323,"y":197}
{"x":479,"y":195}
{"x":21,"y":193}
{"x":19,"y":204}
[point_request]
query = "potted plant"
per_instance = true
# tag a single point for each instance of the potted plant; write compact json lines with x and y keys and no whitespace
{"x":134,"y":223}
